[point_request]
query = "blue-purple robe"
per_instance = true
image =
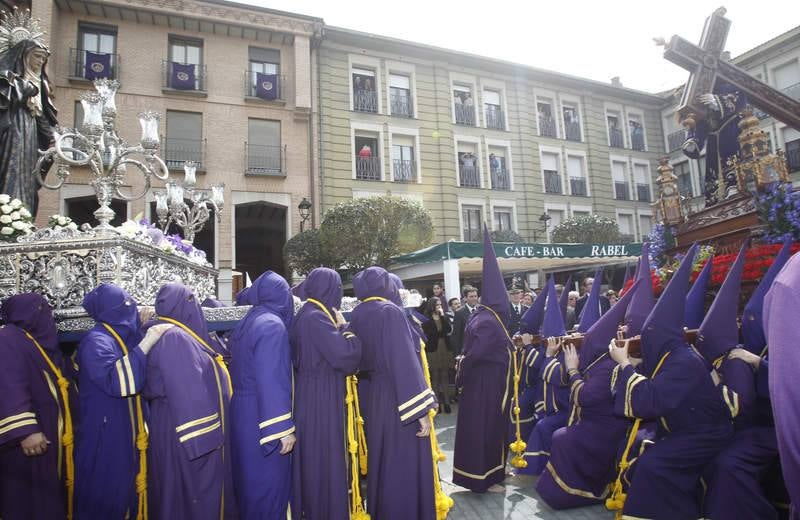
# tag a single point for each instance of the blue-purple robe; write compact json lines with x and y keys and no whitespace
{"x":31,"y":487}
{"x":106,"y":456}
{"x":582,"y":454}
{"x":187,"y":394}
{"x":693,"y":425}
{"x":323,"y":356}
{"x":400,"y":468}
{"x":261,"y":408}
{"x":485,"y":378}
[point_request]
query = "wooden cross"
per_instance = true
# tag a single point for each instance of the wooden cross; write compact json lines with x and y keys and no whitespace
{"x":705,"y":65}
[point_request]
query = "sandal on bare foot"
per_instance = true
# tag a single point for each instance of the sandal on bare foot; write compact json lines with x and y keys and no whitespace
{"x":496,"y":488}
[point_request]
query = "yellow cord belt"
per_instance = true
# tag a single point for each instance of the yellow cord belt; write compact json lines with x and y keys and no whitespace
{"x":68,"y":439}
{"x":356,"y":440}
{"x":141,"y":440}
{"x":617,"y":499}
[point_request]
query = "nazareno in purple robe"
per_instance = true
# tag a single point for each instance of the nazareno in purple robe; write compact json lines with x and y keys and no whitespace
{"x":400,"y":471}
{"x":106,"y":455}
{"x":484,"y":375}
{"x":262,"y":406}
{"x":31,"y":487}
{"x":187,"y":395}
{"x":323,"y":355}
{"x":783,"y":337}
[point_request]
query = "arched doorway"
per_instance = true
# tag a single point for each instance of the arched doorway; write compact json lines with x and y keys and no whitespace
{"x":81,"y":210}
{"x":260,"y":236}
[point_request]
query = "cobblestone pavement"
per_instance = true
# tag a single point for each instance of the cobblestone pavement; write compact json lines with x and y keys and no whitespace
{"x":520,"y":500}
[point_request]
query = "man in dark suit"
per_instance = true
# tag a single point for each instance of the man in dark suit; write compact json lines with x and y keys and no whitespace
{"x":517,"y":309}
{"x":587,"y":288}
{"x":462,"y":316}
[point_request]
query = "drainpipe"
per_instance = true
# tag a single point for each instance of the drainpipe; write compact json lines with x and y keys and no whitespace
{"x":320,"y":161}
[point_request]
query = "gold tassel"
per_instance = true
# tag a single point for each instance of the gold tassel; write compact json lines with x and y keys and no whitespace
{"x":518,"y":446}
{"x":351,"y":399}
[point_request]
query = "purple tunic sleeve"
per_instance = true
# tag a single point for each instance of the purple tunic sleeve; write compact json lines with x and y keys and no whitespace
{"x":340,"y":348}
{"x":195,"y":410}
{"x":592,"y":391}
{"x":762,"y":379}
{"x":553,"y":371}
{"x":17,"y":416}
{"x":101,"y":359}
{"x":640,"y":397}
{"x":534,"y":358}
{"x":273,"y":368}
{"x":738,"y":388}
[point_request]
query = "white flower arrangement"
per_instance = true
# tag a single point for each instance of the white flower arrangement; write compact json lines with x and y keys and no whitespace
{"x":60,"y":223}
{"x":15,"y":219}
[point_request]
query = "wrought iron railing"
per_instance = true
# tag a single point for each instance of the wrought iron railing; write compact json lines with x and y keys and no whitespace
{"x":176,"y":151}
{"x":793,"y":91}
{"x":469,"y":176}
{"x":621,"y":191}
{"x":264,"y":159}
{"x":577,"y":186}
{"x":465,"y":114}
{"x":572,"y":131}
{"x":78,"y":67}
{"x":676,"y":139}
{"x":637,"y":141}
{"x":615,"y":138}
{"x":643,"y":192}
{"x":495,"y":117}
{"x":404,"y":170}
{"x":793,"y":160}
{"x":368,"y":168}
{"x":552,"y":182}
{"x":267,"y":92}
{"x":401,"y":104}
{"x":501,"y":180}
{"x":547,"y":127}
{"x":172,"y":79}
{"x":365,"y":100}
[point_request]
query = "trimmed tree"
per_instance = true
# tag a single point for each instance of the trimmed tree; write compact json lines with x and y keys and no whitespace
{"x":591,"y":229}
{"x":304,"y":252}
{"x":370,"y":231}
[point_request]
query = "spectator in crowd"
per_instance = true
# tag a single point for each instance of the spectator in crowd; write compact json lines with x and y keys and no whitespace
{"x":365,"y":152}
{"x":527,"y":299}
{"x":470,"y":294}
{"x":438,"y":291}
{"x":440,"y":359}
{"x":571,"y":318}
{"x":612,"y":297}
{"x":587,"y":288}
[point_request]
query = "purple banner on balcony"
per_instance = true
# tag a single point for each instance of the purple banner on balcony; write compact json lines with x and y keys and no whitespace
{"x":267,"y":86}
{"x":182,"y":76}
{"x":97,"y":66}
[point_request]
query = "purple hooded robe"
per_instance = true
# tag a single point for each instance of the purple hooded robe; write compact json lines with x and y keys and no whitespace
{"x":31,"y":486}
{"x":400,"y":471}
{"x":324,"y":354}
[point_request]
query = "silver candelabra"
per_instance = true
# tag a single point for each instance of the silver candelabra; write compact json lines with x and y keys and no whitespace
{"x":98,"y":146}
{"x":171,"y":206}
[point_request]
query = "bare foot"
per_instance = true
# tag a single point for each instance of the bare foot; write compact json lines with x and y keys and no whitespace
{"x":497,"y":488}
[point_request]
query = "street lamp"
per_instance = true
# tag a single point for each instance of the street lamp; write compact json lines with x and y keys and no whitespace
{"x":305,"y":212}
{"x":545,"y":221}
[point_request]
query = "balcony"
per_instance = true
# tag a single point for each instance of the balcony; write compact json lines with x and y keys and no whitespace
{"x":469,"y":176}
{"x":266,"y":160}
{"x":176,"y":151}
{"x":90,"y":66}
{"x":401,"y":104}
{"x":368,"y":168}
{"x":627,"y":238}
{"x":178,"y":77}
{"x":676,"y":139}
{"x":793,"y":159}
{"x":552,"y":182}
{"x":615,"y":138}
{"x":621,"y":191}
{"x":637,"y":141}
{"x":793,"y":91}
{"x":642,"y":192}
{"x":365,"y":100}
{"x":547,"y":127}
{"x":267,"y":91}
{"x":501,"y":180}
{"x":572,"y":131}
{"x":404,"y":170}
{"x":577,"y":186}
{"x":685,"y":186}
{"x":495,"y":118}
{"x":465,"y":114}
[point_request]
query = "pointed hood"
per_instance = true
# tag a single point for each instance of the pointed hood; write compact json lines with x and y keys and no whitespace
{"x":663,"y":328}
{"x":627,"y":275}
{"x":591,"y":309}
{"x":325,"y":286}
{"x":719,"y":332}
{"x":178,"y":302}
{"x":271,"y":291}
{"x":243,"y":297}
{"x":563,"y":301}
{"x":111,"y":304}
{"x":396,"y":298}
{"x":31,"y":312}
{"x":595,"y":341}
{"x":644,"y":301}
{"x":531,"y":321}
{"x":493,"y":288}
{"x":553,"y":320}
{"x":373,"y":281}
{"x":696,"y":299}
{"x":752,"y":317}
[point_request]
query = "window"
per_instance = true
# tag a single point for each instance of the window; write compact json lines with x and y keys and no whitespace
{"x":552,"y":177}
{"x":620,"y":176}
{"x":95,"y":56}
{"x":578,"y":213}
{"x":645,"y":226}
{"x":400,"y":95}
{"x":469,"y":175}
{"x":556,"y":218}
{"x":793,"y":155}
{"x":368,"y":160}
{"x":501,"y":178}
{"x":684,"y":175}
{"x":616,"y":138}
{"x":464,"y":104}
{"x":641,"y":175}
{"x":572,"y":122}
{"x":263,"y":147}
{"x":472,"y":222}
{"x":185,"y":69}
{"x":787,"y":78}
{"x":636,"y":130}
{"x":184,"y":141}
{"x":547,"y":122}
{"x":494,"y":110}
{"x":625,"y":223}
{"x":267,"y":64}
{"x":365,"y":90}
{"x":403,"y":162}
{"x":502,"y":219}
{"x":577,"y":177}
